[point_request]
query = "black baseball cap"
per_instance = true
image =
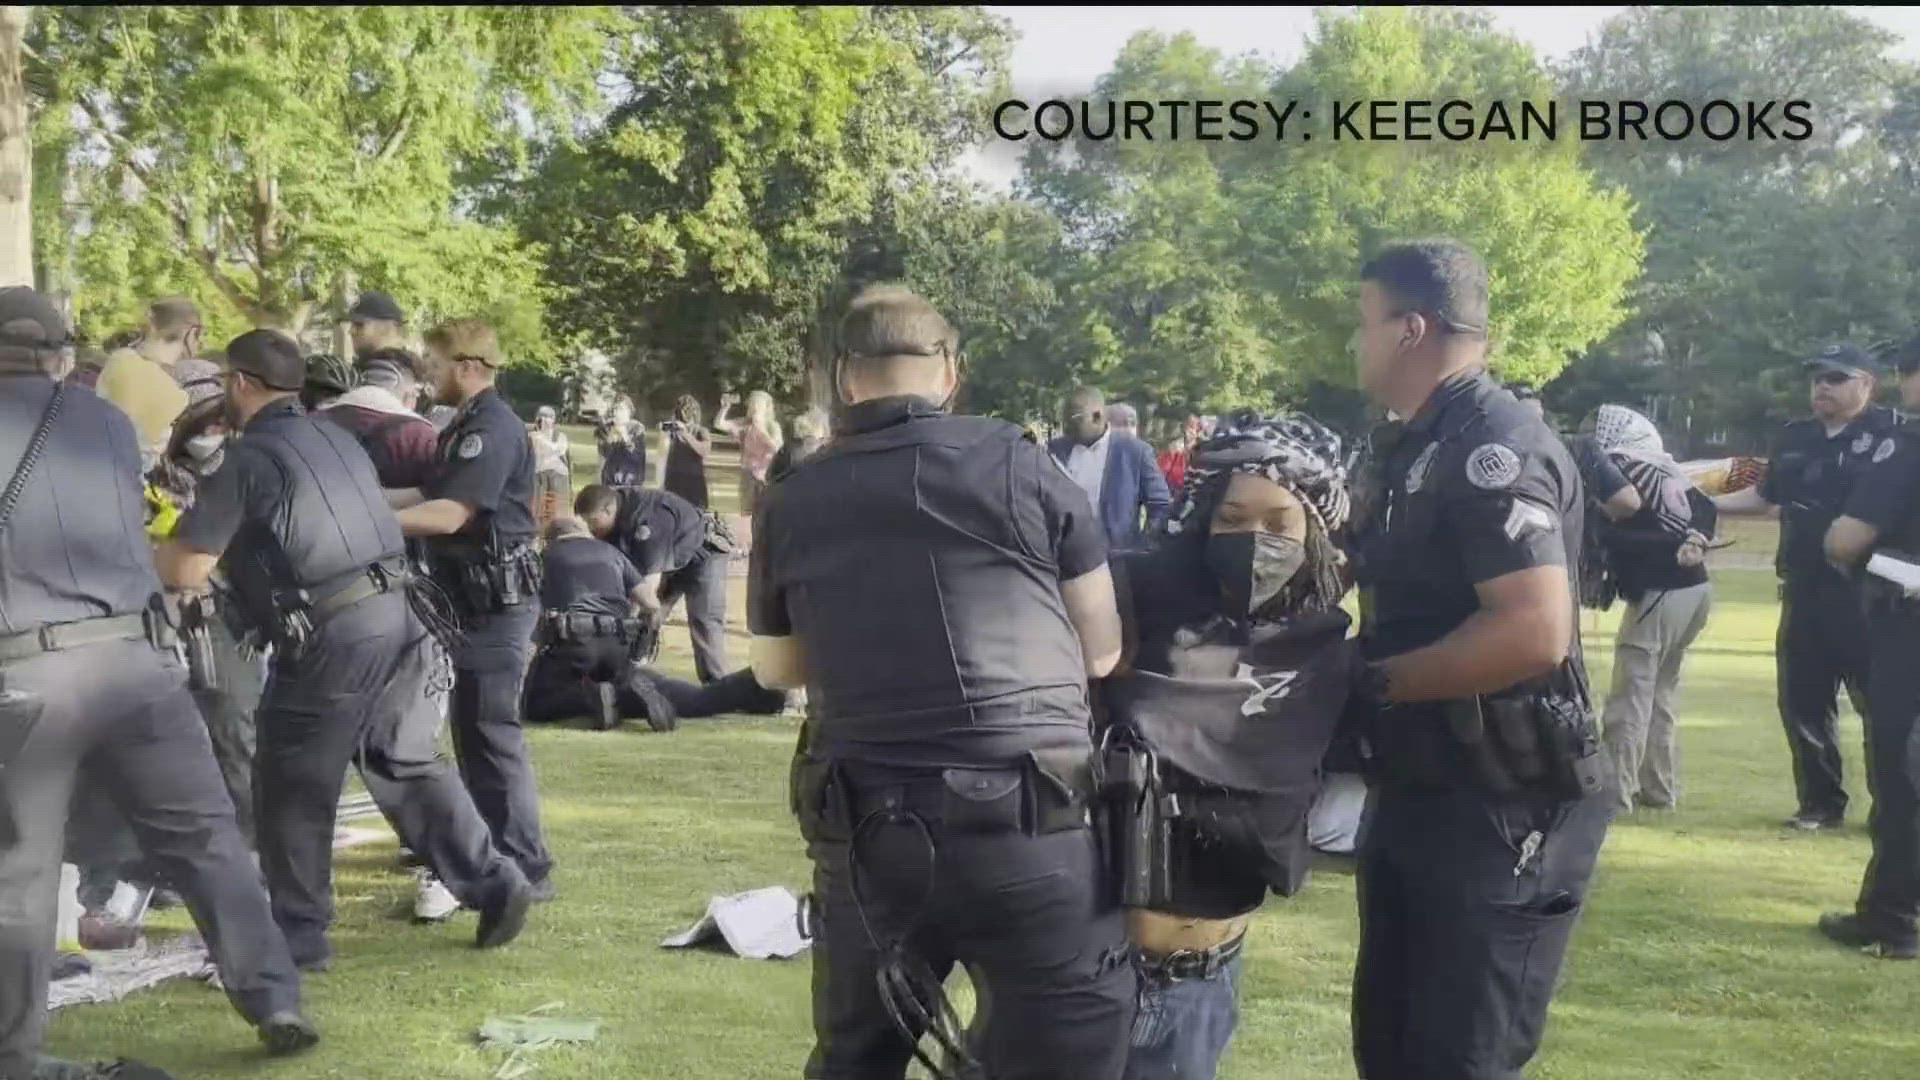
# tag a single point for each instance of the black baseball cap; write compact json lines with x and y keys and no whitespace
{"x":1842,"y":357}
{"x":29,"y":318}
{"x":376,"y":305}
{"x":270,"y":356}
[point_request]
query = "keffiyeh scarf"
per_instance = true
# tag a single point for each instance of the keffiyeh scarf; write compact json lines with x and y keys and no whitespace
{"x":1619,"y":430}
{"x":1294,"y":451}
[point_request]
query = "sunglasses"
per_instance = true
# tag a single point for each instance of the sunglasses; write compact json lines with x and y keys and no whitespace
{"x":1835,"y":378}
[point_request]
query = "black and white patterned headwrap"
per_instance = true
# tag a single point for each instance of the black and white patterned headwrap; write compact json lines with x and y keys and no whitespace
{"x":1297,"y":452}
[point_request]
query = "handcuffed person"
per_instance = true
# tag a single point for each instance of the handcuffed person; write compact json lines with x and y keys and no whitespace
{"x":1215,"y":736}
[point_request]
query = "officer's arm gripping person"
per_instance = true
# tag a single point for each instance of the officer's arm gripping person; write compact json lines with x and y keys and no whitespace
{"x":86,"y":675}
{"x":1489,"y":807}
{"x":941,"y":589}
{"x":296,"y":519}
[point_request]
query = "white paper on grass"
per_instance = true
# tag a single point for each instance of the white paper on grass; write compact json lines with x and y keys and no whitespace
{"x":758,"y":925}
{"x":1899,"y":571}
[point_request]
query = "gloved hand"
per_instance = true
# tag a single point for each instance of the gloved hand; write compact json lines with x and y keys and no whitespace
{"x":162,"y":515}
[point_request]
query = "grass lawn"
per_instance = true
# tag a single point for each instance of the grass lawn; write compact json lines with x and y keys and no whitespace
{"x":1697,"y":958}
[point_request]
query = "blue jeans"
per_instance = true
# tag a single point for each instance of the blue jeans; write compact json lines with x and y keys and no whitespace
{"x":1181,"y":1029}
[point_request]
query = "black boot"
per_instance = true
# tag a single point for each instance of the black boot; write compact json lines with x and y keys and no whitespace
{"x":661,"y":715}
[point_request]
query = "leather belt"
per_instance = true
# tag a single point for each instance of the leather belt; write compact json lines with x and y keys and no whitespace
{"x":55,"y":637}
{"x":1188,"y":964}
{"x":364,"y":584}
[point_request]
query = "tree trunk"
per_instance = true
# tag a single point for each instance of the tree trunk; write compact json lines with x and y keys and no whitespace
{"x":16,"y":154}
{"x":343,"y":296}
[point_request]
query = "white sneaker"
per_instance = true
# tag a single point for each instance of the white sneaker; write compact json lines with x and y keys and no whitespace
{"x":433,"y":903}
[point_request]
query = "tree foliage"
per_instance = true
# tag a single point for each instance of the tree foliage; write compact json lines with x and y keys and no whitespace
{"x":1212,"y":275}
{"x":1760,"y":251}
{"x":249,"y":156}
{"x":703,"y":231}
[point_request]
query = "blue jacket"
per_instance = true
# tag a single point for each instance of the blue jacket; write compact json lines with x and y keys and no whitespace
{"x":1133,"y":482}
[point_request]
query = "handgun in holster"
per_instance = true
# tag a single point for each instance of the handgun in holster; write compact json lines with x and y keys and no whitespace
{"x":196,"y":636}
{"x":1137,"y":817}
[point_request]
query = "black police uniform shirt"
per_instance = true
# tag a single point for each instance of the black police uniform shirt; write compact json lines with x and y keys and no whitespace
{"x":298,"y":488}
{"x":918,"y":557}
{"x":1887,"y":493}
{"x":587,"y":576}
{"x":1476,"y":488}
{"x":76,"y":547}
{"x":658,"y":530}
{"x":486,"y":462}
{"x":1809,"y":476}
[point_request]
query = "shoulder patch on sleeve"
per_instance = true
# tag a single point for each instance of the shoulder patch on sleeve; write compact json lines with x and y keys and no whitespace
{"x":470,"y":447}
{"x":1493,"y":467}
{"x":1884,"y":450}
{"x":1527,"y":519}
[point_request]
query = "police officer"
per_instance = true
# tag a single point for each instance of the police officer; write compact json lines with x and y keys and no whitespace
{"x":82,"y":680}
{"x":591,"y":629}
{"x":1822,"y":643}
{"x":477,"y":511}
{"x":590,"y":660}
{"x":942,"y":589}
{"x":1883,"y":514}
{"x":680,"y":551}
{"x":297,"y":521}
{"x":1490,"y":807}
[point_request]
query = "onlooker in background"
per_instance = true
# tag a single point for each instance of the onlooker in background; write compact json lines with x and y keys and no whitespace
{"x":1658,"y":556}
{"x":376,"y":323}
{"x":87,"y":364}
{"x":760,"y":439}
{"x":380,"y":413}
{"x":1116,"y":470}
{"x":140,"y":378}
{"x":1173,"y":459}
{"x":684,"y":469}
{"x":1124,"y":419}
{"x":552,"y":468}
{"x":328,"y":377}
{"x":1822,"y":646}
{"x":623,"y":446}
{"x":809,"y":432}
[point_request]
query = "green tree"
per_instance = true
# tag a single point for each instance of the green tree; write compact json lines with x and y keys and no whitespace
{"x":254,"y":156}
{"x":701,"y":233}
{"x":1213,"y":275}
{"x":1759,"y":251}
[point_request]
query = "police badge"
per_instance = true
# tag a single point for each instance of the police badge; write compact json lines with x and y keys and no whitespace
{"x":1422,"y":465}
{"x":1861,"y":444}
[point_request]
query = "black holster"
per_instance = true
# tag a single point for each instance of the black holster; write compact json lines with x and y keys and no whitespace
{"x":1135,"y":812}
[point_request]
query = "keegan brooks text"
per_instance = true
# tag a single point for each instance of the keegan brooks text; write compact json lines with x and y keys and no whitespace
{"x":1403,"y":121}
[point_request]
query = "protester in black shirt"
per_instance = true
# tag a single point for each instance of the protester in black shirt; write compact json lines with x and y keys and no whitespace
{"x":1240,"y":672}
{"x":1658,"y":556}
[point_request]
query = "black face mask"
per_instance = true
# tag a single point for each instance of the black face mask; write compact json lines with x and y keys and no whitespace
{"x":1252,"y":567}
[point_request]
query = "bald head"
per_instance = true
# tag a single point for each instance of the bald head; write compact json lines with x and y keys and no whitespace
{"x":892,"y":342}
{"x":1123,"y":419}
{"x":1085,"y":417}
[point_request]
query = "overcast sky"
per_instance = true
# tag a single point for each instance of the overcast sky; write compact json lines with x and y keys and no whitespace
{"x":1062,"y":50}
